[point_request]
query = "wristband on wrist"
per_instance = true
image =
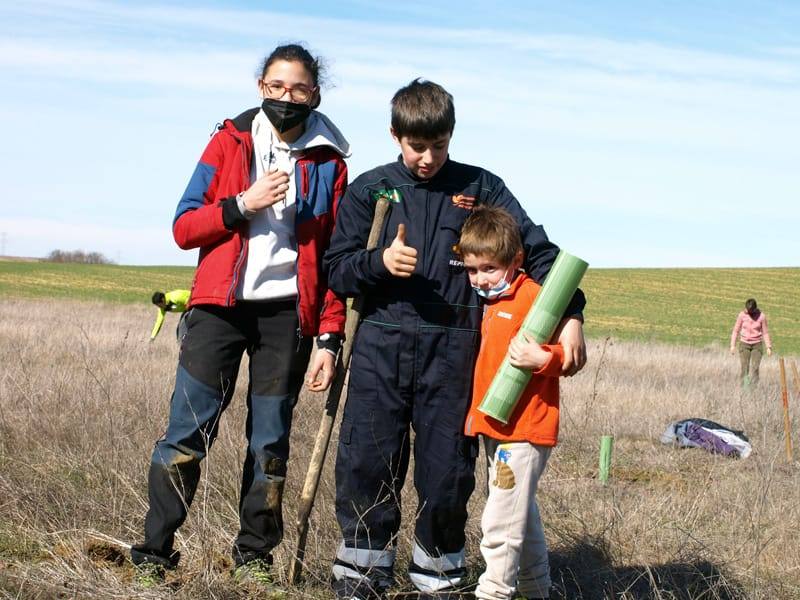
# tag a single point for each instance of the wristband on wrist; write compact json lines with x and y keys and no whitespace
{"x":246,"y":212}
{"x":331,"y":342}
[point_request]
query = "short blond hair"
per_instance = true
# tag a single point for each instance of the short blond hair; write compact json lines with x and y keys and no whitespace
{"x":492,"y":232}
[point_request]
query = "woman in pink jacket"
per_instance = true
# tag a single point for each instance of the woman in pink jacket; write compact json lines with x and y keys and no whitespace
{"x":751,"y":328}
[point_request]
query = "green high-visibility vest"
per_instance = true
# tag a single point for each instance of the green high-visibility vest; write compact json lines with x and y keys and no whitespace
{"x":177,"y":301}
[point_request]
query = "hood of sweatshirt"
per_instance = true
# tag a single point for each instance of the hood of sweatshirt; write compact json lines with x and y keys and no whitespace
{"x":320,"y":131}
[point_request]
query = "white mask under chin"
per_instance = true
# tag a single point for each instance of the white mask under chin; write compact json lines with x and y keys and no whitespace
{"x":494,"y":292}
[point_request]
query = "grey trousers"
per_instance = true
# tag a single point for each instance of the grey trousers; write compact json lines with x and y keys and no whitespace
{"x":513,"y":543}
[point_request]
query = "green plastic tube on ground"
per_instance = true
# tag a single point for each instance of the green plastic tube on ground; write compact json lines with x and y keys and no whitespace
{"x":606,"y":448}
{"x":539,"y":325}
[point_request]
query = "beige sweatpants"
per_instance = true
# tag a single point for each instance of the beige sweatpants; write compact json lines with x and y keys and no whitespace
{"x":513,"y":544}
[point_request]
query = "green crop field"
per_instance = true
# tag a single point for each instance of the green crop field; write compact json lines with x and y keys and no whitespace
{"x":692,"y":306}
{"x":688,"y":306}
{"x":107,"y":283}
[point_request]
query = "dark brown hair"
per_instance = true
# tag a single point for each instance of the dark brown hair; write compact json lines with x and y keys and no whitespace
{"x":423,"y":109}
{"x":295,"y":53}
{"x":492,"y":232}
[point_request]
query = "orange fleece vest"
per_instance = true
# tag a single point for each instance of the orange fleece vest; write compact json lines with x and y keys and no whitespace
{"x":535,"y":419}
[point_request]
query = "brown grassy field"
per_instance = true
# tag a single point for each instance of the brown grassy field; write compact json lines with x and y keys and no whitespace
{"x":83,"y":396}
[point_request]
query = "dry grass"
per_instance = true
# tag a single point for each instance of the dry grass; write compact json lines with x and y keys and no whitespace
{"x":83,"y":396}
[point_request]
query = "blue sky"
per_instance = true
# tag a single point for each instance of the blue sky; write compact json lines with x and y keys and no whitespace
{"x":640,"y":134}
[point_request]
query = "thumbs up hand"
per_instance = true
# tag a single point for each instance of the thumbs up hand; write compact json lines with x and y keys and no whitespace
{"x":399,"y":258}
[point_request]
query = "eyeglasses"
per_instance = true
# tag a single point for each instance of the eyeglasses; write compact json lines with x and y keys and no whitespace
{"x":299,"y":93}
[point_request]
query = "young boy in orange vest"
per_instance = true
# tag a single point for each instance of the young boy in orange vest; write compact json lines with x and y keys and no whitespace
{"x":513,"y":543}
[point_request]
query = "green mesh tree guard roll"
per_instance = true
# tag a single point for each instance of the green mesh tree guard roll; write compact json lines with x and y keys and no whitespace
{"x":539,"y":325}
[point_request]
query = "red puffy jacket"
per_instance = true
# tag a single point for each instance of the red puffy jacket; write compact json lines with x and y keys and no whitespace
{"x":209,"y":218}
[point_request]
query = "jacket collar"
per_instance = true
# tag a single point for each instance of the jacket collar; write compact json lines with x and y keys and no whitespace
{"x":516,"y":283}
{"x":243,"y":122}
{"x":320,"y":131}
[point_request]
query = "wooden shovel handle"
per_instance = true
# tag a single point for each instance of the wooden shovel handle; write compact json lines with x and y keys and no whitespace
{"x":331,"y":407}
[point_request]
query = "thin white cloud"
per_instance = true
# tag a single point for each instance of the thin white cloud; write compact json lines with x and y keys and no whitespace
{"x":353,"y":37}
{"x":648,"y":57}
{"x":638,"y":127}
{"x":75,"y":60}
{"x":378,"y":43}
{"x":621,"y":105}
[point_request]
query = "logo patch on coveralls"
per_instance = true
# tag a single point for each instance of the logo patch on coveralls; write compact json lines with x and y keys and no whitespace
{"x":461,"y":201}
{"x":504,"y":476}
{"x":456,"y":265}
{"x":390,"y":194}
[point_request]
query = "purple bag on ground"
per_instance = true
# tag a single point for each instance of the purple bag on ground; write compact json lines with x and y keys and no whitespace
{"x":711,"y":436}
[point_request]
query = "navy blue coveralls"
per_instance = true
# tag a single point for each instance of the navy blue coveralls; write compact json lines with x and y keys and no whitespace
{"x":412,"y":364}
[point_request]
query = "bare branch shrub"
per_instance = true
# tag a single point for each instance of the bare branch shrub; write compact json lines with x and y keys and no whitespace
{"x":84,"y":395}
{"x":78,"y":256}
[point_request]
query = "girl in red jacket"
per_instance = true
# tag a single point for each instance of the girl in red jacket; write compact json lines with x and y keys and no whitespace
{"x":260,"y":207}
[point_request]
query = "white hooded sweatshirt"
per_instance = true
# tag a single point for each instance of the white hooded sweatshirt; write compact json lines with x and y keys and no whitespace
{"x":270,"y":272}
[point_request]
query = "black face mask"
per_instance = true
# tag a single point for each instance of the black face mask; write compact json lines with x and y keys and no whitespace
{"x":285,"y":115}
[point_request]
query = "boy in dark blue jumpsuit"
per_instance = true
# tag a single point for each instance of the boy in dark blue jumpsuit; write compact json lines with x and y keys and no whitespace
{"x":415,"y":350}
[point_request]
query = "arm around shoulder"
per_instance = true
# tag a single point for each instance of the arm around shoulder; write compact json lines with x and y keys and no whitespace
{"x":540,"y":252}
